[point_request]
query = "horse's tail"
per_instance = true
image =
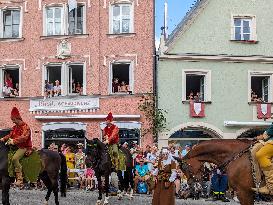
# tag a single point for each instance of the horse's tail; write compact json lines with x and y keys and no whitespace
{"x":63,"y":175}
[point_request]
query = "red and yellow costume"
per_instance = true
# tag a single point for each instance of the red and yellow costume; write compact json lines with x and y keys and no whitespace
{"x":111,"y":137}
{"x":20,"y":136}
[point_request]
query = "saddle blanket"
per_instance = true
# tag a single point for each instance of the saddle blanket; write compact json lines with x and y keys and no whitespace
{"x":31,"y":166}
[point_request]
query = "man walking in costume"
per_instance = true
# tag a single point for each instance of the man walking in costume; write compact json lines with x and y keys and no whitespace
{"x":111,"y":137}
{"x":264,"y":157}
{"x":20,"y":136}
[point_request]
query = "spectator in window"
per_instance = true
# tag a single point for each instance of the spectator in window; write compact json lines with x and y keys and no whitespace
{"x":48,"y":89}
{"x":141,"y":173}
{"x":115,"y":85}
{"x":8,"y":80}
{"x":123,"y":87}
{"x":16,"y":90}
{"x":79,"y":88}
{"x":57,"y":89}
{"x":191,"y":96}
{"x":8,"y":91}
{"x":197,"y":97}
{"x":73,"y":86}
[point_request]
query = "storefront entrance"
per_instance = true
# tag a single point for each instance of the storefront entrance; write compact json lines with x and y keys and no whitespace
{"x":64,"y":133}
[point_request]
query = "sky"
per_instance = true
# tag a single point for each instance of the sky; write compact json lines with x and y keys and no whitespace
{"x":177,"y":9}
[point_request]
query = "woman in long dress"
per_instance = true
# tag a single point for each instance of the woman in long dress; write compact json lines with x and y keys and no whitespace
{"x":164,"y":193}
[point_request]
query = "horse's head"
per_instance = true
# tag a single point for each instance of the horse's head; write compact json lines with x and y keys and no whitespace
{"x":93,"y":152}
{"x":191,"y":168}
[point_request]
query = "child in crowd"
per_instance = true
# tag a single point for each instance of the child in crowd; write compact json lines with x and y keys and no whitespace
{"x":89,"y":179}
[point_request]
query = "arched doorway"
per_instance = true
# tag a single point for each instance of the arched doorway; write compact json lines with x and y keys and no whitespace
{"x":252,"y":133}
{"x":191,"y":136}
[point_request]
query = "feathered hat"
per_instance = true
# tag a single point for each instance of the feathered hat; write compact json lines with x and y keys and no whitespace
{"x":109,"y":117}
{"x":15,"y":113}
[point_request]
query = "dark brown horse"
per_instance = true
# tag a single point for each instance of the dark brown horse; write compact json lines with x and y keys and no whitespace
{"x":222,"y":153}
{"x":53,"y":167}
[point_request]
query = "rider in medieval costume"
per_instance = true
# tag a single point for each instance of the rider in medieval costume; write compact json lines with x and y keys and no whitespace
{"x":111,"y":137}
{"x":264,"y":157}
{"x":20,"y":136}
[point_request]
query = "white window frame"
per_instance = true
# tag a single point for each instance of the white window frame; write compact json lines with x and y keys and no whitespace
{"x":207,"y":83}
{"x":2,"y":19}
{"x":261,"y":74}
{"x":64,"y":76}
{"x":253,"y":27}
{"x":127,"y":3}
{"x":2,"y":80}
{"x":64,"y":18}
{"x":84,"y":19}
{"x":131,"y":75}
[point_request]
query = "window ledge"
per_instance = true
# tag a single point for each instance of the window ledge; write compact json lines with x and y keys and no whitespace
{"x":11,"y":39}
{"x":247,"y":42}
{"x":255,"y":103}
{"x":121,"y":93}
{"x":119,"y":35}
{"x":188,"y":102}
{"x":64,"y":36}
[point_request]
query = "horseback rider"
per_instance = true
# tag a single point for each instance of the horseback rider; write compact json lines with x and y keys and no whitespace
{"x":264,"y":157}
{"x":111,"y":138}
{"x":20,"y":136}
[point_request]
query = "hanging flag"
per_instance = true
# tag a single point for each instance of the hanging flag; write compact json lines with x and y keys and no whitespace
{"x":72,"y":4}
{"x":197,"y":109}
{"x":263,"y":111}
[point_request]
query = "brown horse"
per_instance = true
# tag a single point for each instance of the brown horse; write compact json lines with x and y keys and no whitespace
{"x":222,"y":153}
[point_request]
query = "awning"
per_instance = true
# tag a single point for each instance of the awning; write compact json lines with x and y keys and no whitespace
{"x":245,"y":124}
{"x":64,"y":125}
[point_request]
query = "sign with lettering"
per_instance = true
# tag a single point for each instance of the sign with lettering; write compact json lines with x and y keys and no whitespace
{"x":64,"y":104}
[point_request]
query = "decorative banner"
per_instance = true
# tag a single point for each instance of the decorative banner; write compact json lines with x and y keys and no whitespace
{"x":197,"y":109}
{"x":263,"y":111}
{"x":64,"y":104}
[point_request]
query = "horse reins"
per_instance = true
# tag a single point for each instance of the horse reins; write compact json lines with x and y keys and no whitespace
{"x":237,"y":156}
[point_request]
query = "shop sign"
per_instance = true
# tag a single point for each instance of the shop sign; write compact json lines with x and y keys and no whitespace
{"x":64,"y":104}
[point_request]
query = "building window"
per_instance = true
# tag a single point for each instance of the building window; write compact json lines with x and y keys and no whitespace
{"x":11,"y":23}
{"x":260,"y":88}
{"x":54,"y":20}
{"x":121,"y":78}
{"x":55,"y":84}
{"x":10,"y":82}
{"x":196,"y":86}
{"x":75,"y":21}
{"x":244,"y":28}
{"x":59,"y":21}
{"x":121,"y":19}
{"x":75,"y":81}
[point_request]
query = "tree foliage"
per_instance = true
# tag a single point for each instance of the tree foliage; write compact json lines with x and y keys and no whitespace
{"x":155,"y":117}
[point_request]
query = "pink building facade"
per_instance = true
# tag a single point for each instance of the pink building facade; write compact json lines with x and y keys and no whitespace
{"x":65,"y":66}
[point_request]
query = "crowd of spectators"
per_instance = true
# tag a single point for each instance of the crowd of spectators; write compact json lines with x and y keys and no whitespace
{"x":213,"y":185}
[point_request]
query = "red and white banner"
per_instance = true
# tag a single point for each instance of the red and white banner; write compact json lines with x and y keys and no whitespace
{"x":263,"y":111}
{"x":197,"y":109}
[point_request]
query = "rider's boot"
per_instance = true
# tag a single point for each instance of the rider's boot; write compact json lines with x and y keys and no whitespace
{"x":268,"y":188}
{"x":19,"y":178}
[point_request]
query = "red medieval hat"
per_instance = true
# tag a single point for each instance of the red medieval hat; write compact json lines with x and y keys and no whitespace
{"x":15,"y":113}
{"x":109,"y":117}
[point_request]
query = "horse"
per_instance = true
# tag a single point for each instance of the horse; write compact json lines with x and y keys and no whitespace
{"x":233,"y":156}
{"x":98,"y":157}
{"x":51,"y":163}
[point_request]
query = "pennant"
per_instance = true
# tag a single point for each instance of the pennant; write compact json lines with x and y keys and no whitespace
{"x":263,"y":111}
{"x":197,"y":109}
{"x":72,"y":4}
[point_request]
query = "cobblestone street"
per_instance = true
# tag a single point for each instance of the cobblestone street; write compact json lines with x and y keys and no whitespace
{"x":33,"y":197}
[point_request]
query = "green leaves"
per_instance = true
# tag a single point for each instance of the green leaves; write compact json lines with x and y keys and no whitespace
{"x":155,"y":116}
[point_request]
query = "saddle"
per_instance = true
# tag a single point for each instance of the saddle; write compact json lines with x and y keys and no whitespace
{"x":31,"y":165}
{"x":257,"y":172}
